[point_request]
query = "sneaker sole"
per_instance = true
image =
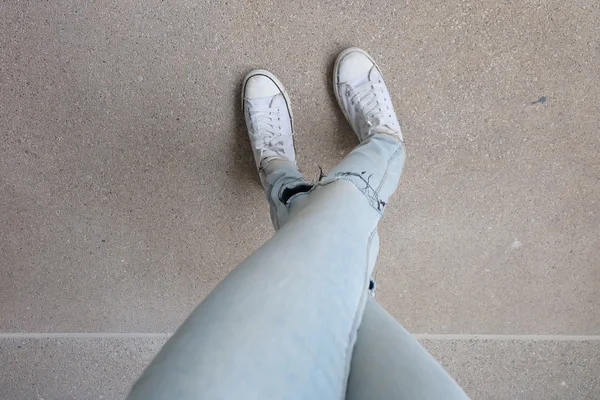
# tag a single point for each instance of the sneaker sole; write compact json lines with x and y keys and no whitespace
{"x":336,"y":70}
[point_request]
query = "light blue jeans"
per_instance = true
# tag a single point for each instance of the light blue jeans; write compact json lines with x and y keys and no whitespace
{"x":295,"y":320}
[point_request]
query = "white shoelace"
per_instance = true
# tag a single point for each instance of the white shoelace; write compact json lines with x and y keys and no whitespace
{"x":267,"y":123}
{"x":370,"y":96}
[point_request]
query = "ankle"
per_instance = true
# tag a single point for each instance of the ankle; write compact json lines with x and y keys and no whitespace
{"x":389,"y":137}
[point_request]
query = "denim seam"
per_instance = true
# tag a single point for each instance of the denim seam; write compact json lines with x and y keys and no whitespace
{"x":387,"y":168}
{"x":358,"y":315}
{"x":276,"y":222}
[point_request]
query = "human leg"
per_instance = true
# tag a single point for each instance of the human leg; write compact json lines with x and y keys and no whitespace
{"x":389,"y":363}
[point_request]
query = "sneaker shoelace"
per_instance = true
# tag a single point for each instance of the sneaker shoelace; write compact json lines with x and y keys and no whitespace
{"x":267,"y":121}
{"x":370,"y":96}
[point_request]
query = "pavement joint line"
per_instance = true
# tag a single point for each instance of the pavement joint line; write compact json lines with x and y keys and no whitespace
{"x":83,"y":335}
{"x":419,"y":336}
{"x":539,"y":338}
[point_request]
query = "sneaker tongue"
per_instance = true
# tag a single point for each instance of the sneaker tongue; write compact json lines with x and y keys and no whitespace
{"x":359,"y":80}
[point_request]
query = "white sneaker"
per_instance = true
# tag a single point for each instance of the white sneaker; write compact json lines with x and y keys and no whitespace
{"x":268,"y":114}
{"x":362,"y":95}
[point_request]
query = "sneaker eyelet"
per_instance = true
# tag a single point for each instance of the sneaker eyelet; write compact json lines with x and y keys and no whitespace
{"x":348,"y":93}
{"x":352,"y":102}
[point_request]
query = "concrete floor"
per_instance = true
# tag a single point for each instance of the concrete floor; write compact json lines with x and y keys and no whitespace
{"x":128,"y":189}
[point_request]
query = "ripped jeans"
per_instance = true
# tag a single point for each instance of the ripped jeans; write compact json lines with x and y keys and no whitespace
{"x":295,"y":320}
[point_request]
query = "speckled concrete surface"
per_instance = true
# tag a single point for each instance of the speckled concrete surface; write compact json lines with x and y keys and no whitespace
{"x":128,"y":189}
{"x":73,"y":369}
{"x":522,"y":369}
